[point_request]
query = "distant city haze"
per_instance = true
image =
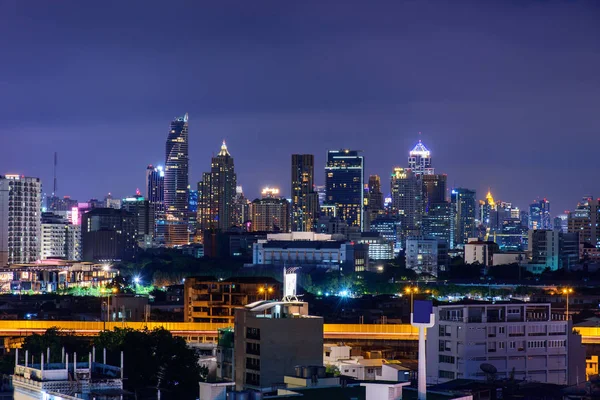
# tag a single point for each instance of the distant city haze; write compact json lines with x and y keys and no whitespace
{"x":504,"y":93}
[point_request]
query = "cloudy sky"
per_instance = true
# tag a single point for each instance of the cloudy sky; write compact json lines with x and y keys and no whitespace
{"x":505,"y":93}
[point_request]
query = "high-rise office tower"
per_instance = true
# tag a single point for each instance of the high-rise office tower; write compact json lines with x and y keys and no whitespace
{"x":465,"y":210}
{"x":216,"y":193}
{"x":176,"y":183}
{"x":419,"y":160}
{"x":585,"y":220}
{"x":344,"y":182}
{"x":271,"y":213}
{"x":539,"y":215}
{"x":438,"y":223}
{"x":434,"y":189}
{"x":143,"y":213}
{"x":155,"y":194}
{"x":241,"y":208}
{"x":373,"y":201}
{"x":407,"y":201}
{"x":485,"y":209}
{"x":305,"y":201}
{"x":20,"y":216}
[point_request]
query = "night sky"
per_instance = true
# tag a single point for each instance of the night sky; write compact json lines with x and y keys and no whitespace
{"x":506,"y":94}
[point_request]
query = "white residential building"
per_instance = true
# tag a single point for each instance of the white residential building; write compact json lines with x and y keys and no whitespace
{"x":422,"y":255}
{"x":20,"y":216}
{"x":523,"y":340}
{"x":59,"y":238}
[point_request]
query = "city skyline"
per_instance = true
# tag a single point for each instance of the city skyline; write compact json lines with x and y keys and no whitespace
{"x":498,"y":116}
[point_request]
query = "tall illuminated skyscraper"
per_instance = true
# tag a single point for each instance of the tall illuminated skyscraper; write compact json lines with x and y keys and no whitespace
{"x":344,"y":185}
{"x":305,"y":201}
{"x":419,"y":160}
{"x":539,"y":215}
{"x":176,"y":183}
{"x":465,"y":210}
{"x":20,"y":219}
{"x":216,"y":193}
{"x":155,"y":194}
{"x":407,"y":201}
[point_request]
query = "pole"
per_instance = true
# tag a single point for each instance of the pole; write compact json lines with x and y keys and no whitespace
{"x":422,"y":379}
{"x":567,"y":304}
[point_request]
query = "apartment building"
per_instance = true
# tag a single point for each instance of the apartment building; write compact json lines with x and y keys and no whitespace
{"x":521,"y":340}
{"x":208,"y":299}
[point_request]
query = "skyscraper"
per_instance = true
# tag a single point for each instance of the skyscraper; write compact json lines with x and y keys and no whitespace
{"x":143,"y":214}
{"x":585,"y":220}
{"x":438,"y":223}
{"x":419,"y":160}
{"x":241,"y":207}
{"x":216,"y":193}
{"x":464,"y":208}
{"x":155,"y":194}
{"x":20,"y":219}
{"x":407,"y":201}
{"x":539,"y":215}
{"x":176,"y":183}
{"x":108,"y":235}
{"x":434,"y":189}
{"x":373,"y":201}
{"x":344,"y":182}
{"x":305,"y":201}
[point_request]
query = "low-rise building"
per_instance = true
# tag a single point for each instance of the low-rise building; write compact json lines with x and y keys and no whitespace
{"x":426,"y":255}
{"x":208,"y":299}
{"x":525,"y":341}
{"x":68,"y":379}
{"x":53,"y":275}
{"x":271,"y":339}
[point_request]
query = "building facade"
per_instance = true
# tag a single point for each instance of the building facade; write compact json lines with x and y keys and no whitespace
{"x":216,"y":193}
{"x":305,"y":201}
{"x":270,"y":214}
{"x":20,"y":219}
{"x":108,"y":235}
{"x":426,"y":255}
{"x":143,"y":213}
{"x":155,"y":194}
{"x":552,"y":249}
{"x":208,"y":299}
{"x":60,"y":239}
{"x":176,"y":183}
{"x":407,"y":201}
{"x":344,"y":182}
{"x":521,"y":340}
{"x":465,"y":211}
{"x":419,"y":160}
{"x":539,"y":215}
{"x":272,"y":338}
{"x":438,"y":223}
{"x":585,"y":221}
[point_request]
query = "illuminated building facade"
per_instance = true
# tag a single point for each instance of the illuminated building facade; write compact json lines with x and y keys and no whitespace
{"x":539,"y":215}
{"x":585,"y":221}
{"x":155,"y":193}
{"x":485,"y":209}
{"x":373,"y":201}
{"x":271,"y":213}
{"x":20,"y":217}
{"x":552,"y":249}
{"x":216,"y":193}
{"x":305,"y":201}
{"x":464,"y":208}
{"x":143,"y":213}
{"x":419,"y":160}
{"x":423,"y":255}
{"x":390,"y":230}
{"x":344,"y":181}
{"x":407,"y":200}
{"x":438,"y":223}
{"x":60,"y":239}
{"x":241,"y":208}
{"x":176,"y":183}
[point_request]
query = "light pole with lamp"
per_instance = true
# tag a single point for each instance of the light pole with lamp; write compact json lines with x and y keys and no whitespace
{"x":411,"y":290}
{"x":265,"y":290}
{"x":567,"y":291}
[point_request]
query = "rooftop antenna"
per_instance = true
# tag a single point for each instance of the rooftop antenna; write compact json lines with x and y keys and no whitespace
{"x":55,"y":165}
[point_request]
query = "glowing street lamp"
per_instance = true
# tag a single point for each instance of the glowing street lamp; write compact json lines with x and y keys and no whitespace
{"x":567,"y":291}
{"x":411,"y":290}
{"x":265,"y":291}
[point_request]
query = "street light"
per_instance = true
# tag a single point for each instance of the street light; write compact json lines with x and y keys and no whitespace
{"x":567,"y":291}
{"x":265,"y":290}
{"x":107,"y":292}
{"x":411,"y":290}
